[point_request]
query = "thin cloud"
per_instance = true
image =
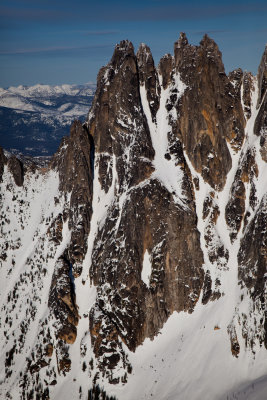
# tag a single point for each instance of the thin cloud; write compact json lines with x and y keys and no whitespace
{"x":209,"y":32}
{"x":114,"y":12}
{"x":52,"y":50}
{"x":187,"y":12}
{"x":100,"y":33}
{"x":31,"y":14}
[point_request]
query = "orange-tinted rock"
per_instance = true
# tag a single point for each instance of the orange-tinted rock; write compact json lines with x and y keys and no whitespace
{"x":210,"y":110}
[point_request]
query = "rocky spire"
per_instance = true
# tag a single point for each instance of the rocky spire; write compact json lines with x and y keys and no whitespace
{"x":123,"y":51}
{"x":210,"y":110}
{"x":181,"y":49}
{"x":165,"y":68}
{"x":148,"y":76}
{"x":138,"y":213}
{"x":262,"y":76}
{"x":260,"y":127}
{"x":181,"y":42}
{"x":74,"y":163}
{"x":117,"y":103}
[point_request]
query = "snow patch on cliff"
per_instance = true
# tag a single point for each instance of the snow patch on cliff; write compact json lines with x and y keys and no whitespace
{"x":147,"y":269}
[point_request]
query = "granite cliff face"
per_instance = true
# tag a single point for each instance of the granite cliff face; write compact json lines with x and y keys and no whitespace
{"x":151,"y":218}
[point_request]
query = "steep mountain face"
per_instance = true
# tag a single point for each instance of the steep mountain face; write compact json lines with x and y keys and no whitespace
{"x":137,"y":260}
{"x":33,"y":119}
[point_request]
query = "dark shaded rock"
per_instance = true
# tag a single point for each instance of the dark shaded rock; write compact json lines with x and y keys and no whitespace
{"x":116,"y":105}
{"x":252,"y":261}
{"x":252,"y":271}
{"x":260,"y":126}
{"x":64,"y":365}
{"x":15,"y":166}
{"x":245,"y":80}
{"x":248,"y":87}
{"x":148,"y":77}
{"x":149,"y":223}
{"x":196,"y":182}
{"x":39,"y":365}
{"x":262,"y":77}
{"x":235,"y":347}
{"x":217,"y":252}
{"x":55,"y":229}
{"x":74,"y":162}
{"x":235,"y":208}
{"x":253,"y":251}
{"x":106,"y":343}
{"x":235,"y":78}
{"x":210,"y":110}
{"x":207,"y":292}
{"x":62,"y":301}
{"x":166,"y":68}
{"x":3,"y":161}
{"x":49,"y":350}
{"x":207,"y":205}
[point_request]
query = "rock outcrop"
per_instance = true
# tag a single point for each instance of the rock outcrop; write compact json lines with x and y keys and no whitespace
{"x":143,"y":215}
{"x":3,"y":161}
{"x":74,"y":162}
{"x":210,"y":111}
{"x":260,"y":127}
{"x":152,"y":210}
{"x":262,"y":77}
{"x":15,"y":166}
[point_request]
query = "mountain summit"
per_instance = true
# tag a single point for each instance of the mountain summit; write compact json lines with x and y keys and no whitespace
{"x":135,"y":266}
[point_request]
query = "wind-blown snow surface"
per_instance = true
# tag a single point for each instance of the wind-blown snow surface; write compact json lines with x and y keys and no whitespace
{"x":191,"y":356}
{"x":26,"y":213}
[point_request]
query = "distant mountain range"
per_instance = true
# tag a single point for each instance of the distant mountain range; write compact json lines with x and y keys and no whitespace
{"x":134,"y":265}
{"x":34,"y":119}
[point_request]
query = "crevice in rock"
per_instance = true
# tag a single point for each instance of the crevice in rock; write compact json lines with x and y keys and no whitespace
{"x":71,"y":280}
{"x":92,"y":149}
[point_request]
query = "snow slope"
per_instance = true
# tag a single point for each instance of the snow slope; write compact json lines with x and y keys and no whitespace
{"x":191,"y":356}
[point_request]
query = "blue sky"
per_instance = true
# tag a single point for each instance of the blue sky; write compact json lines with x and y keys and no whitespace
{"x":55,"y":42}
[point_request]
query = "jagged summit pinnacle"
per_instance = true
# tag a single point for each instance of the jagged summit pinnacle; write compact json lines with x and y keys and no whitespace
{"x":207,"y":41}
{"x":124,"y":45}
{"x":212,"y":50}
{"x":122,"y":50}
{"x":182,"y":41}
{"x":151,"y":218}
{"x":262,"y":76}
{"x":144,"y":54}
{"x":143,"y":49}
